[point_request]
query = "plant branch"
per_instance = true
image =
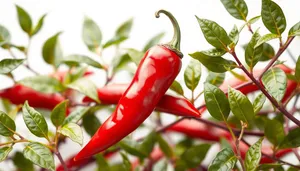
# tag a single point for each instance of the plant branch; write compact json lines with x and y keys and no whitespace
{"x":277,"y":55}
{"x":280,"y":107}
{"x":61,"y":160}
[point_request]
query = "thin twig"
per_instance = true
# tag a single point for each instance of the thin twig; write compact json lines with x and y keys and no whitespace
{"x":277,"y":55}
{"x":61,"y":160}
{"x":280,"y":107}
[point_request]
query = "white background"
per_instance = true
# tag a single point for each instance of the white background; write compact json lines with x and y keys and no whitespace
{"x":67,"y":16}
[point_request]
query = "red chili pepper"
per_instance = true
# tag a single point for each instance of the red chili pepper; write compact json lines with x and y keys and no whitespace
{"x":111,"y":94}
{"x":18,"y":94}
{"x":155,"y":74}
{"x":75,"y":165}
{"x":195,"y":129}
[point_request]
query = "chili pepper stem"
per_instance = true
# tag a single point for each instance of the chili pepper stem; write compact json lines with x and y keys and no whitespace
{"x":174,"y":44}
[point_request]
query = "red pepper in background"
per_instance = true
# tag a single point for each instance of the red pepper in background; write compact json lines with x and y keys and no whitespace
{"x":196,"y":129}
{"x":75,"y":165}
{"x":111,"y":94}
{"x":234,"y":82}
{"x":18,"y":94}
{"x":155,"y":74}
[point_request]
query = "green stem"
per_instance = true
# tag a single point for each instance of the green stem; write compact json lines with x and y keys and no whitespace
{"x":175,"y":42}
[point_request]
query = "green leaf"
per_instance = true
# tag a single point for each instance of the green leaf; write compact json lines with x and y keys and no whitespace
{"x":39,"y":155}
{"x":215,"y":79}
{"x":234,"y":35}
{"x":4,"y":36}
{"x":91,"y":34}
{"x":58,"y":114}
{"x":76,"y":115}
{"x":224,"y":161}
{"x":142,"y":149}
{"x":86,"y":87}
{"x":135,"y":55}
{"x":4,"y":153}
{"x":102,"y":163}
{"x":8,"y":65}
{"x":7,"y":125}
{"x":236,"y":8}
{"x":120,"y":62}
{"x":253,"y":156}
{"x":292,"y":140}
{"x":131,"y":147}
{"x":240,"y":105}
{"x":176,"y":87}
{"x":192,"y":74}
{"x":39,"y":25}
{"x":34,"y":121}
{"x":295,"y":30}
{"x":148,"y":143}
{"x":297,"y":70}
{"x":266,"y":38}
{"x":268,"y":166}
{"x":153,"y":41}
{"x":73,"y":131}
{"x":274,"y":131}
{"x":252,"y":55}
{"x":126,"y":163}
{"x":74,"y":75}
{"x":122,"y":34}
{"x":125,"y":28}
{"x":52,"y":53}
{"x":216,"y":102}
{"x":44,"y":84}
{"x":275,"y":82}
{"x":214,"y":64}
{"x":164,"y":146}
{"x":273,"y":17}
{"x":251,"y":21}
{"x":195,"y":155}
{"x":114,"y":41}
{"x":214,"y":52}
{"x":214,"y":33}
{"x":91,"y":124}
{"x":259,"y":102}
{"x":21,"y":163}
{"x":268,"y":52}
{"x":24,"y":20}
{"x":77,"y":59}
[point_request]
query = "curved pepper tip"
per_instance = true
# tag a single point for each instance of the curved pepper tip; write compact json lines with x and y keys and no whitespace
{"x":174,"y":44}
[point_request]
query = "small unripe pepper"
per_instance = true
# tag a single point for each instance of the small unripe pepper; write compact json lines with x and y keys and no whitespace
{"x":155,"y":74}
{"x":112,"y":93}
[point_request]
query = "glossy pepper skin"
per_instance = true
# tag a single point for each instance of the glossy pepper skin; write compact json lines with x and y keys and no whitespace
{"x":155,"y":74}
{"x":111,"y":94}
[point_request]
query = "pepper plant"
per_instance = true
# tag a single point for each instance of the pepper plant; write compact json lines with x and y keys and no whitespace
{"x":248,"y":101}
